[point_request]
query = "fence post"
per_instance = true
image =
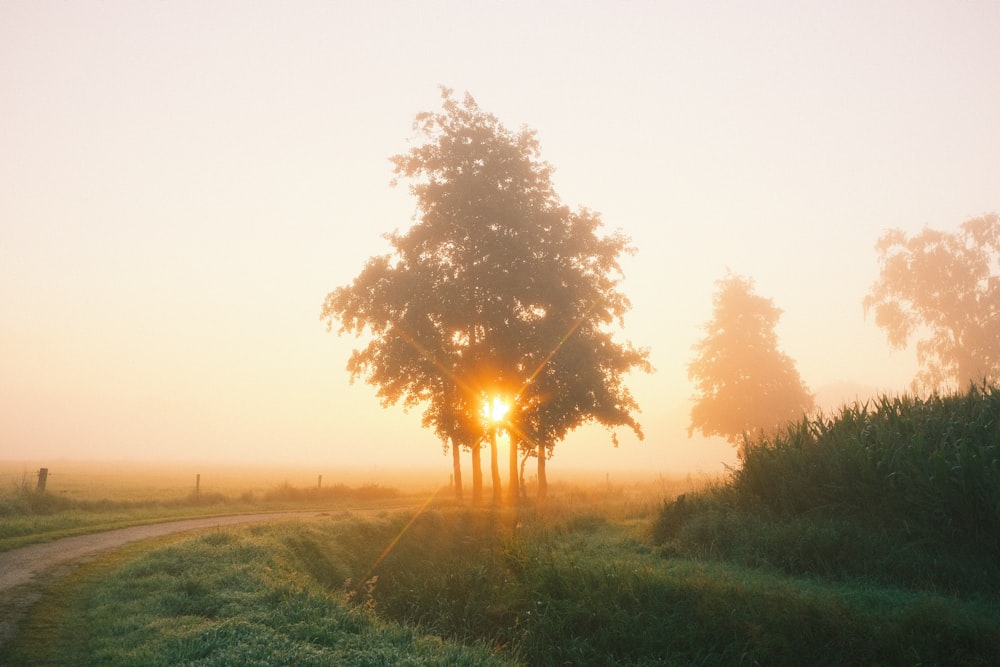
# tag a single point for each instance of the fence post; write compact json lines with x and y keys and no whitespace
{"x":319,"y":482}
{"x":43,"y":476}
{"x":197,"y":485}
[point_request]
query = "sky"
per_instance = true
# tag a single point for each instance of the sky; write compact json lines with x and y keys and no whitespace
{"x":182,"y":183}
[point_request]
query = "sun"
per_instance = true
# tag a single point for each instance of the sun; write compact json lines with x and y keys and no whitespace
{"x":495,"y":410}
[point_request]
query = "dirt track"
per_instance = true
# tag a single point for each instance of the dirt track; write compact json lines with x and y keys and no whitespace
{"x":19,"y":568}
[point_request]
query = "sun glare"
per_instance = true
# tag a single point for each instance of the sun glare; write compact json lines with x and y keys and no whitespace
{"x":495,"y":410}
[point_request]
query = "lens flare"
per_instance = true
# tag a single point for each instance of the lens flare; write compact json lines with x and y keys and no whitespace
{"x":495,"y":410}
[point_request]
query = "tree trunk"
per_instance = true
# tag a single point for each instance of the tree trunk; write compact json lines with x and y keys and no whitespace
{"x":456,"y":469}
{"x":514,"y":488}
{"x":520,"y":477}
{"x":543,"y":485}
{"x":477,"y":475}
{"x":495,"y":468}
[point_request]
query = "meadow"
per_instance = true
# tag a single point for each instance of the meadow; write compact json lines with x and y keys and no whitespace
{"x":867,"y":537}
{"x":87,"y":497}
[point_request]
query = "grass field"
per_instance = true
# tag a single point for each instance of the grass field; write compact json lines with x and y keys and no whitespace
{"x":864,"y":538}
{"x":89,"y":497}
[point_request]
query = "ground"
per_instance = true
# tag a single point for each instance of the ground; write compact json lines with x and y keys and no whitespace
{"x":21,"y":569}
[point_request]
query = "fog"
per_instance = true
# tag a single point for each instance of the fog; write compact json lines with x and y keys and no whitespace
{"x":182,"y":183}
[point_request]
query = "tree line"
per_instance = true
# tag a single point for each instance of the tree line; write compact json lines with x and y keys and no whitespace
{"x":500,"y":309}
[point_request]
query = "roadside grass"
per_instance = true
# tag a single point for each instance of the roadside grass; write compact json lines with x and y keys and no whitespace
{"x":226,"y":597}
{"x":28,"y":516}
{"x":871,"y":537}
{"x":553,"y":585}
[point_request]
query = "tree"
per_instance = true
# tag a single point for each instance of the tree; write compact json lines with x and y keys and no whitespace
{"x":583,"y":378}
{"x":490,"y":293}
{"x":946,"y":286}
{"x":746,"y":387}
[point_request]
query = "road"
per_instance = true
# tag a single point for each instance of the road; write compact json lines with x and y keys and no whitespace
{"x":20,"y":568}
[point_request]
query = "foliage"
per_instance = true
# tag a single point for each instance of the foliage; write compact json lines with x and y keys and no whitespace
{"x":565,"y":584}
{"x":902,"y":490}
{"x":745,"y":386}
{"x":574,"y":588}
{"x":583,"y":592}
{"x":497,"y":289}
{"x":947,"y":284}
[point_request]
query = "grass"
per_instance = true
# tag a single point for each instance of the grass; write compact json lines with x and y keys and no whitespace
{"x":28,"y":516}
{"x":869,"y":537}
{"x":900,"y":491}
{"x":548,"y":586}
{"x":222,"y":598}
{"x":579,"y":589}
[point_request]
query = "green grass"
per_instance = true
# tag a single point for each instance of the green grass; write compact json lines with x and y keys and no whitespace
{"x":579,"y":589}
{"x":223,"y":598}
{"x":867,"y":538}
{"x":899,"y":491}
{"x":28,"y":516}
{"x":549,"y":586}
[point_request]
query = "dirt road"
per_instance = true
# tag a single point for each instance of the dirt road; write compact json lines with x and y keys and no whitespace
{"x":19,"y":568}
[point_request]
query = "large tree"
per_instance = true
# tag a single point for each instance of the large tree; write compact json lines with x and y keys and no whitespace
{"x":945,"y":286}
{"x":496,"y":288}
{"x":746,"y":386}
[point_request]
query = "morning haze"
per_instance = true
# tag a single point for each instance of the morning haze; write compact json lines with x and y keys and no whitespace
{"x":181,"y":185}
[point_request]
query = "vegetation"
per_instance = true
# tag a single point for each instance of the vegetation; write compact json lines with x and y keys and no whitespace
{"x":898,"y":491}
{"x":745,"y":386}
{"x":28,"y":516}
{"x":496,"y":290}
{"x":256,"y":596}
{"x":947,"y":285}
{"x":869,"y":537}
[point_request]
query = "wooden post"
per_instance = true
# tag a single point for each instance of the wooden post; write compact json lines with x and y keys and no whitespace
{"x":43,"y":477}
{"x":319,"y":482}
{"x":197,"y":485}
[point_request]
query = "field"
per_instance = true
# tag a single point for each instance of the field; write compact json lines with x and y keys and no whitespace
{"x":870,"y":537}
{"x":83,"y":497}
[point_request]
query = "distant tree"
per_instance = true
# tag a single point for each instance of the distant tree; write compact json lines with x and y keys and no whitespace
{"x":947,"y":286}
{"x":745,"y":385}
{"x":493,"y":291}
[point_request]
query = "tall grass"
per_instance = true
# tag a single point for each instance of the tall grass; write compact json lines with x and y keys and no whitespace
{"x":541,"y":586}
{"x":902,"y":490}
{"x":869,"y":537}
{"x":569,"y":588}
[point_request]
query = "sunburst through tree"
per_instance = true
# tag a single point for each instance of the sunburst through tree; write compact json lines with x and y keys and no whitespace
{"x":497,"y":289}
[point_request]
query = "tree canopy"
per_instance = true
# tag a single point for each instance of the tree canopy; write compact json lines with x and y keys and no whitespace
{"x":496,"y":289}
{"x":745,"y":386}
{"x":943,"y":287}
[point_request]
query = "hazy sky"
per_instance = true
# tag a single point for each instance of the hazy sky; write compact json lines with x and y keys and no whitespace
{"x":181,"y":183}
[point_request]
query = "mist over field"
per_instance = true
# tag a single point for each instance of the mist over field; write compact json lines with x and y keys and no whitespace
{"x":182,"y":184}
{"x":870,"y":537}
